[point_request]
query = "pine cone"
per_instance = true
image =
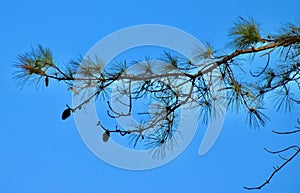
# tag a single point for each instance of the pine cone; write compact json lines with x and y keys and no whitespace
{"x":66,"y":114}
{"x":105,"y":136}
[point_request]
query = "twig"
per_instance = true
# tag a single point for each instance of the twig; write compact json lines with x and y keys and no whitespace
{"x":277,"y":169}
{"x":286,"y":132}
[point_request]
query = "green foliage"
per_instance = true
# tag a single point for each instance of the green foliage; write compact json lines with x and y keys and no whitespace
{"x":208,"y":53}
{"x":35,"y":62}
{"x":245,"y":33}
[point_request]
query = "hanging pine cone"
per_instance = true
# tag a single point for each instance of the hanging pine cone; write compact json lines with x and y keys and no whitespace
{"x":105,"y":136}
{"x":66,"y":114}
{"x":46,"y":81}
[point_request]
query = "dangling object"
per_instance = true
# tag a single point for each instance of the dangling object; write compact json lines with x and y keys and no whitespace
{"x":46,"y":81}
{"x":105,"y":136}
{"x":66,"y":114}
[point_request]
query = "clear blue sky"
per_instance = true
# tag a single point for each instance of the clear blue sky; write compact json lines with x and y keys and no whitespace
{"x":41,"y":153}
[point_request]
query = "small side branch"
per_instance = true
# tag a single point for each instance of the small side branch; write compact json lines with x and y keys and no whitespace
{"x":277,"y":169}
{"x":286,"y":132}
{"x":289,"y":132}
{"x":264,"y":69}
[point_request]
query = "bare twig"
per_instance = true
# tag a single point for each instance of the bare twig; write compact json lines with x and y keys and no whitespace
{"x":286,"y":132}
{"x":276,"y":169}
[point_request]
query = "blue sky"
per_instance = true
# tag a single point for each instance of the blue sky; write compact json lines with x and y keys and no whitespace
{"x":41,"y":153}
